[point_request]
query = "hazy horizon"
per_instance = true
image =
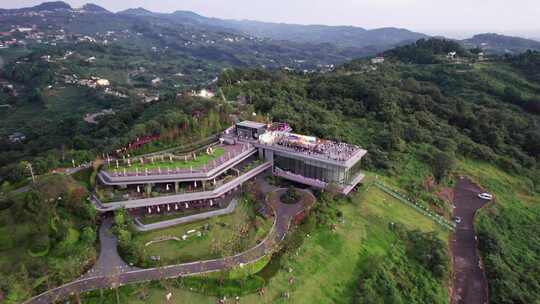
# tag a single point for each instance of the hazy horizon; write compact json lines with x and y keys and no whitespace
{"x":457,"y":19}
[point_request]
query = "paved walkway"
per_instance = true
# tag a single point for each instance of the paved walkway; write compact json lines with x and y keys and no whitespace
{"x":282,"y":220}
{"x":469,"y":282}
{"x":21,"y":190}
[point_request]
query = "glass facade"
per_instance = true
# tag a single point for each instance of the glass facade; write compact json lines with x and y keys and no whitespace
{"x":316,"y":169}
{"x":352,"y":172}
{"x":310,"y":168}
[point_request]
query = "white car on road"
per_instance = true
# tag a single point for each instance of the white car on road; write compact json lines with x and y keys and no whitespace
{"x":485,"y":196}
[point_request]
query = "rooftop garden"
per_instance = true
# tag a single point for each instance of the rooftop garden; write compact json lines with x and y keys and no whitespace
{"x":165,"y":162}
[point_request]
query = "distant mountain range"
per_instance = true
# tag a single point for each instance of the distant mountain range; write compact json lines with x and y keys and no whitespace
{"x":341,"y":41}
{"x":340,"y":36}
{"x":373,"y":41}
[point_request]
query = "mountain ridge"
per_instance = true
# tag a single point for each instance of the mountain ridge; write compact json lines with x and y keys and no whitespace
{"x":502,"y":43}
{"x":341,"y":36}
{"x":345,"y":37}
{"x":90,"y":7}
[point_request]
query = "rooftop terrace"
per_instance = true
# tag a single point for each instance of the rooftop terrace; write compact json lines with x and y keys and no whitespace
{"x":312,"y":146}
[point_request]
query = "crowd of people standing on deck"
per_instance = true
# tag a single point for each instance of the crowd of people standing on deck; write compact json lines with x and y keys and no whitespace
{"x":330,"y":149}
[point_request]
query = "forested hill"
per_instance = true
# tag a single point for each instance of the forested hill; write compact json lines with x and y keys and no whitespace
{"x":502,"y":44}
{"x":418,"y":120}
{"x":427,"y":51}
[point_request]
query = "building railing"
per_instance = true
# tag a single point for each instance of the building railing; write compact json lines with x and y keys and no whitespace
{"x":423,"y":210}
{"x":168,"y":176}
{"x":179,"y":198}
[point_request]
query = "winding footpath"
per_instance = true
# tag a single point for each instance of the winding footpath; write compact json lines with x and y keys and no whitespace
{"x":114,"y":273}
{"x":469,"y":281}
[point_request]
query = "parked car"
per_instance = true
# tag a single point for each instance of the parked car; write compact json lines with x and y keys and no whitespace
{"x":457,"y":219}
{"x":485,"y":196}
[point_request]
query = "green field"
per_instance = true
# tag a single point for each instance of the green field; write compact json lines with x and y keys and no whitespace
{"x":329,"y":259}
{"x":226,"y":235}
{"x":326,"y":266}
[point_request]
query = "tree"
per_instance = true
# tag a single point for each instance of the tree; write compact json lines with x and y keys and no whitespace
{"x":35,"y":97}
{"x":442,"y":164}
{"x":20,"y":286}
{"x":512,"y":95}
{"x":291,"y":196}
{"x":88,"y":235}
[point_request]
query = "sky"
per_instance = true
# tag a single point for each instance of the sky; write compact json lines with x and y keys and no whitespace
{"x":451,"y":18}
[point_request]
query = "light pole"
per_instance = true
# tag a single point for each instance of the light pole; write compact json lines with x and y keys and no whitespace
{"x":29,"y":167}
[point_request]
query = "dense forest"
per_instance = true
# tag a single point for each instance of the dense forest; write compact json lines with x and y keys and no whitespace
{"x":421,"y":109}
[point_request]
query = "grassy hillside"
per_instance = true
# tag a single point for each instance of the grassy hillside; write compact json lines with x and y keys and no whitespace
{"x":219,"y":237}
{"x":47,"y":237}
{"x":325,"y":263}
{"x":421,"y":122}
{"x":422,"y":117}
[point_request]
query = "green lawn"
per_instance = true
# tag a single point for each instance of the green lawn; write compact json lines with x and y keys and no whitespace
{"x":329,"y":259}
{"x":202,"y":159}
{"x":325,"y":267}
{"x":223,"y":238}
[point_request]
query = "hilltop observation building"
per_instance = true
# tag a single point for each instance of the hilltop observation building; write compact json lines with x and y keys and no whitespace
{"x":248,"y":149}
{"x":304,"y":159}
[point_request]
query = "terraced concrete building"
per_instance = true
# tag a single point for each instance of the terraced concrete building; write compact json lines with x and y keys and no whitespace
{"x":165,"y":182}
{"x":249,"y":149}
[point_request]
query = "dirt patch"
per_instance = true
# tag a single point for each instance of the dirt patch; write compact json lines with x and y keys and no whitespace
{"x":446,"y":194}
{"x":469,"y":280}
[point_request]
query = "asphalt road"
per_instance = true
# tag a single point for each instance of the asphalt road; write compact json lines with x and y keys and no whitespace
{"x":109,"y":261}
{"x":469,"y":281}
{"x":103,"y":278}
